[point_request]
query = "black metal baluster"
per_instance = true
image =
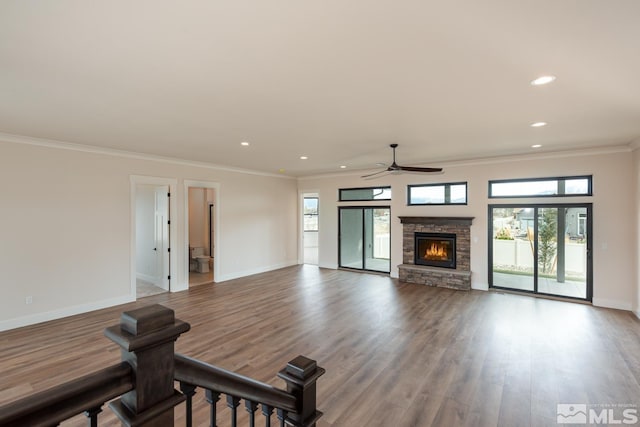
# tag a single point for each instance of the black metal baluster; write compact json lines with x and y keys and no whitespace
{"x":188,"y":390}
{"x":282,"y":414}
{"x":92,"y":414}
{"x":212,"y":397}
{"x":233,"y":403}
{"x":251,"y":408}
{"x":267,"y":411}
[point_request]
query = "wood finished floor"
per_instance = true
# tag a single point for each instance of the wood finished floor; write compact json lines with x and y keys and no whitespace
{"x":396,"y":354}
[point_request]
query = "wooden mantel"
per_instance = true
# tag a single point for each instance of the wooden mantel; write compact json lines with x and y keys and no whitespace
{"x":437,"y":220}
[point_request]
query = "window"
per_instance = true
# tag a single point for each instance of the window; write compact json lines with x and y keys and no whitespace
{"x":454,"y":193}
{"x":360,"y":194}
{"x":310,"y":214}
{"x":541,"y":187}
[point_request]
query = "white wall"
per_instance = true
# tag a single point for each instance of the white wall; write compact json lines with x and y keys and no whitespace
{"x":614,"y":206}
{"x":80,"y":229}
{"x":197,"y":221}
{"x":199,"y":200}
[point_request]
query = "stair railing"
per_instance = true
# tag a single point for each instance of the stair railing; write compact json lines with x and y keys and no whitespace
{"x":143,"y":384}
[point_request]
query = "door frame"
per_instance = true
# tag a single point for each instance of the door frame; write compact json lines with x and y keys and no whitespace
{"x":212,"y":230}
{"x":301,"y":248}
{"x":536,"y":206}
{"x":301,"y":197}
{"x":134,"y":181}
{"x":340,"y":208}
{"x":165,"y":245}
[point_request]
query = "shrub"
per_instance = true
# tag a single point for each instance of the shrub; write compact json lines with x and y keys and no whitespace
{"x":503,"y":234}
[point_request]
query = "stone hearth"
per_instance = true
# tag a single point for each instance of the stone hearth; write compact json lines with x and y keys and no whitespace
{"x":460,"y":278}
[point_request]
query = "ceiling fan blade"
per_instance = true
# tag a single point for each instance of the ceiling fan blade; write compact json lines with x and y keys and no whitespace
{"x":375,"y":173}
{"x":395,"y":168}
{"x":418,"y":169}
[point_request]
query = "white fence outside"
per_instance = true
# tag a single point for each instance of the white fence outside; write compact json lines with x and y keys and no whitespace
{"x":520,"y":253}
{"x":381,"y":246}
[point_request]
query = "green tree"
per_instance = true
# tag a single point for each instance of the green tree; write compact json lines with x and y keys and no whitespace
{"x":547,"y":236}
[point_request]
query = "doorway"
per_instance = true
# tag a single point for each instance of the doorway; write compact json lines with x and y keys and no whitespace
{"x":152,"y":240}
{"x":541,"y":249}
{"x":151,"y":235}
{"x":201,"y":226}
{"x":365,"y":238}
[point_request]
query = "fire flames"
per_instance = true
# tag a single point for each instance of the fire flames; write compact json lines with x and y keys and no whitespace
{"x":436,"y":251}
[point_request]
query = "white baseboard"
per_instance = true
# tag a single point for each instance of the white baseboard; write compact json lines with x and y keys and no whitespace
{"x":179,"y":287}
{"x":155,"y":280}
{"x":32,"y":319}
{"x":480,"y":286}
{"x":332,"y":266}
{"x":611,"y":303}
{"x":244,"y":273}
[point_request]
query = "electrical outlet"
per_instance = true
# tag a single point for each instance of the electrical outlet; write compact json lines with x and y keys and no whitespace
{"x":28,"y":300}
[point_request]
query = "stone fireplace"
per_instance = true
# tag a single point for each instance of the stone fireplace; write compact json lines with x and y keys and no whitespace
{"x":436,"y":251}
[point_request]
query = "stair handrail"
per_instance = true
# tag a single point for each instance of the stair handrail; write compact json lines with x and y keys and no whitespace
{"x":85,"y":394}
{"x":143,"y":383}
{"x":204,"y":375}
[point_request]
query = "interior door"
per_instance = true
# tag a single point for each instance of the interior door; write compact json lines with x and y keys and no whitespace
{"x":162,"y":235}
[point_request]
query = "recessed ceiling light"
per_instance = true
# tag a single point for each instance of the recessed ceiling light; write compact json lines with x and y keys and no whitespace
{"x":343,"y":167}
{"x":303,"y":157}
{"x":542,"y":80}
{"x":244,"y":143}
{"x":538,"y":124}
{"x":536,"y":146}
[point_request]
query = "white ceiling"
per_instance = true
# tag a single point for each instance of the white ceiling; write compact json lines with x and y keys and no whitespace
{"x":335,"y":80}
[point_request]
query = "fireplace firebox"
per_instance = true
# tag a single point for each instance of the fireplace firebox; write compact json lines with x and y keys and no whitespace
{"x":435,"y":249}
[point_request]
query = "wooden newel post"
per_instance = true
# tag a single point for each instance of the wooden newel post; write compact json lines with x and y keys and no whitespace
{"x":301,"y":375}
{"x":147,"y":336}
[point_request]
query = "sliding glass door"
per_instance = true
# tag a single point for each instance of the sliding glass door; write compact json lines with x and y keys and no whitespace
{"x":543,"y":249}
{"x":364,"y":234}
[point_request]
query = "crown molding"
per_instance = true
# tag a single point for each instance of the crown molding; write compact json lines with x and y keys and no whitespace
{"x":635,"y":144}
{"x":62,"y":145}
{"x":593,"y":151}
{"x":51,"y":143}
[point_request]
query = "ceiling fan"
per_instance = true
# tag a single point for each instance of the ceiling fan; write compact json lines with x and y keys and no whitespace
{"x":394,"y":167}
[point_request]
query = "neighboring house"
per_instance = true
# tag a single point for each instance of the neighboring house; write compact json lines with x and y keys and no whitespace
{"x":575,"y":222}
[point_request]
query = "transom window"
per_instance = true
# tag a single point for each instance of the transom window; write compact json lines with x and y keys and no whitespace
{"x":451,"y":193}
{"x":368,"y":193}
{"x":541,"y":187}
